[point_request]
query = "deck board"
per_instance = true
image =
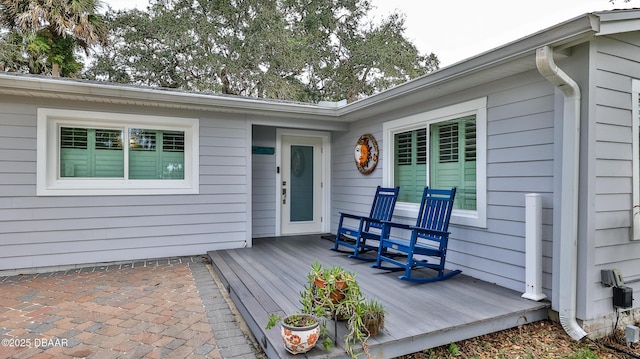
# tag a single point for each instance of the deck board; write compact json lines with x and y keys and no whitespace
{"x":268,"y":277}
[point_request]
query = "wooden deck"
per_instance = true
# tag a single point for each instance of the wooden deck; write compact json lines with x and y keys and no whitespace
{"x":268,"y":278}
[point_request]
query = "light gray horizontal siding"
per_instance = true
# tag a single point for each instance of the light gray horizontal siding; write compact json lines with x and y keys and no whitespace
{"x":520,"y":160}
{"x":520,"y":155}
{"x":616,"y":61}
{"x":352,"y":192}
{"x":52,"y":231}
{"x":263,"y":184}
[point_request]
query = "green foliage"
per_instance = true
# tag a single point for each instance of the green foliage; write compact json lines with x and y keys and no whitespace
{"x":42,"y":36}
{"x":453,"y":349}
{"x":333,"y":292}
{"x":584,"y":353}
{"x":280,"y":49}
{"x":10,"y":52}
{"x":274,"y":319}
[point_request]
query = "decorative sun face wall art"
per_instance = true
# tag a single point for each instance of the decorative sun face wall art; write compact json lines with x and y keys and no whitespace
{"x":366,"y":154}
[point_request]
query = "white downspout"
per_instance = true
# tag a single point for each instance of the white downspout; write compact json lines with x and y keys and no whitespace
{"x":569,"y":186}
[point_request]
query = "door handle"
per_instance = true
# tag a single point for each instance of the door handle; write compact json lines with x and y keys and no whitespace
{"x":284,"y":196}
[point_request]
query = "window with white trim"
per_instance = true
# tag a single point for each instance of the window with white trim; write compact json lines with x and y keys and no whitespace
{"x":95,"y":153}
{"x":443,"y":148}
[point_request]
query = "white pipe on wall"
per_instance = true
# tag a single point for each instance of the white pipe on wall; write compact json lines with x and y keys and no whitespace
{"x":533,"y":247}
{"x":569,"y":187}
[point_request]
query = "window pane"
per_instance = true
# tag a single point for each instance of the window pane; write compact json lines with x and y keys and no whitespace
{"x":453,"y":145}
{"x":73,"y":137}
{"x":448,"y":139}
{"x":410,"y":170}
{"x":421,"y":146}
{"x":156,"y":154}
{"x":142,"y":140}
{"x":173,"y":141}
{"x":470,"y":141}
{"x":91,"y":153}
{"x":108,"y":139}
{"x":302,"y":186}
{"x":403,"y":149}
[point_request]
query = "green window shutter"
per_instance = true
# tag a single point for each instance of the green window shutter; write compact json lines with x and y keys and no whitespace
{"x":155,"y":154}
{"x":74,"y":156}
{"x":453,"y":159}
{"x":91,"y":153}
{"x":410,"y":171}
{"x":173,"y":154}
{"x":468,"y":188}
{"x":99,"y":153}
{"x":108,"y":157}
{"x":143,"y":157}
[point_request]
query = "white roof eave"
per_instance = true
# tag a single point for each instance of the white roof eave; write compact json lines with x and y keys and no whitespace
{"x":614,"y":22}
{"x":58,"y":88}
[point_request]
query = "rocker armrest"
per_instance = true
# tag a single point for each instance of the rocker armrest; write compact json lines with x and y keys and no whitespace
{"x":398,"y":225}
{"x":429,"y":231}
{"x":416,"y":228}
{"x":358,"y":217}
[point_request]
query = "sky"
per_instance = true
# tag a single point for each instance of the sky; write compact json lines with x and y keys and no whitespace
{"x":456,"y":30}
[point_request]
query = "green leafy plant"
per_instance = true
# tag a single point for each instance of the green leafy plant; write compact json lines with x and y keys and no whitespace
{"x":294,"y":320}
{"x":453,"y":349}
{"x":333,"y":292}
{"x":585,"y":353}
{"x":373,"y":314}
{"x":274,"y":319}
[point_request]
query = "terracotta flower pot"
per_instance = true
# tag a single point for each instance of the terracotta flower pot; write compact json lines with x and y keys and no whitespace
{"x":336,"y":295}
{"x":298,"y":335}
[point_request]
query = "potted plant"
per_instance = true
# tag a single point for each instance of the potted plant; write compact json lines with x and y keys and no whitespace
{"x":366,"y":321}
{"x":335,"y":293}
{"x":332,"y":293}
{"x":299,"y":332}
{"x":372,"y":313}
{"x":352,"y":296}
{"x":327,"y":281}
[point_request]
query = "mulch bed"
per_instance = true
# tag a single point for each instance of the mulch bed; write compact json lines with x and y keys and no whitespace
{"x":544,"y":339}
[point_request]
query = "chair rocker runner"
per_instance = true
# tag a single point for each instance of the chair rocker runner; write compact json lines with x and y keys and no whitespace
{"x":353,"y":230}
{"x":428,"y":238}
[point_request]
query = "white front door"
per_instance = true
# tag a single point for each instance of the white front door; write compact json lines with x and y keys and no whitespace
{"x":301,"y":188}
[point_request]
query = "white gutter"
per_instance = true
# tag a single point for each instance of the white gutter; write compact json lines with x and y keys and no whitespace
{"x":569,"y":187}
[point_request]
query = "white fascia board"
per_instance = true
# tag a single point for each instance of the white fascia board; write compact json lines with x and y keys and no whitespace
{"x":619,"y":21}
{"x":106,"y":92}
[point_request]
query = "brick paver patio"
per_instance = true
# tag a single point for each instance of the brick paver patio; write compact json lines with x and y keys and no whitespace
{"x":150,"y":309}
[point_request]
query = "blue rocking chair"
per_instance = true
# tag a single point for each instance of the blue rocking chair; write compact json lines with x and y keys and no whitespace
{"x":428,"y":238}
{"x":354,"y":232}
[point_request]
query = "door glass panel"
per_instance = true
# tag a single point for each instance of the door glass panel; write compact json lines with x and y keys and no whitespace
{"x":301,"y":183}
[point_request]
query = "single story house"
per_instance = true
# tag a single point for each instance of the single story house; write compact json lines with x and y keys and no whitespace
{"x":98,"y":172}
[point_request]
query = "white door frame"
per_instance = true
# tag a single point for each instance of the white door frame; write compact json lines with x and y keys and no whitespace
{"x":326,"y":175}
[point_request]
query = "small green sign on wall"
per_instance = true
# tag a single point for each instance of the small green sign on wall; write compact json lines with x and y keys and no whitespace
{"x":258,"y":150}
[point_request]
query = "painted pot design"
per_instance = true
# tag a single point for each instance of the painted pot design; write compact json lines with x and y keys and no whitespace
{"x":300,"y":339}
